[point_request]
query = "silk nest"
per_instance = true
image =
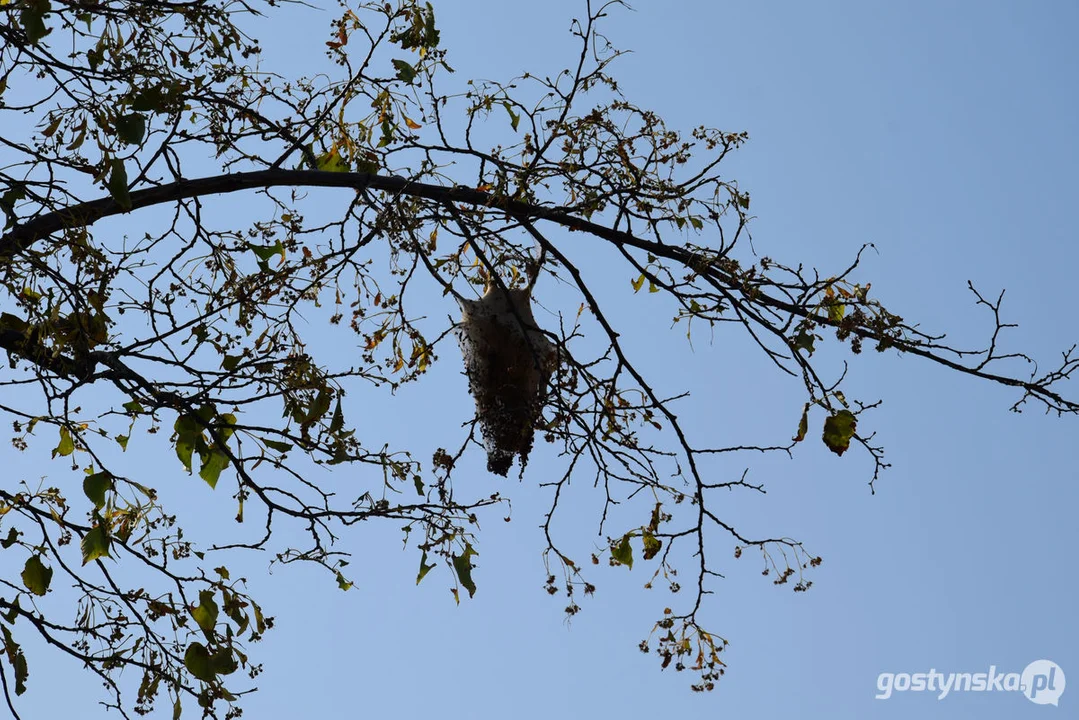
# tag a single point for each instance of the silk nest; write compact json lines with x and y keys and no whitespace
{"x":508,"y":362}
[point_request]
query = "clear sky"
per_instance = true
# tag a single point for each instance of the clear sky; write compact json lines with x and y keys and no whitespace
{"x":942,"y":132}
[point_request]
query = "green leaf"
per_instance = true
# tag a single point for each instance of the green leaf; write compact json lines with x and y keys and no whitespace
{"x":424,"y":568}
{"x":199,"y":662}
{"x":638,"y":283}
{"x":230,"y":362}
{"x":133,"y":407}
{"x":462,"y":564}
{"x":226,"y":425}
{"x":121,"y":440}
{"x":622,"y":552}
{"x":95,"y":486}
{"x":66,"y":446}
{"x":12,"y":612}
{"x":205,"y":613}
{"x":838,"y":431}
{"x":260,"y":619}
{"x":184,"y":448}
{"x":343,"y":582}
{"x":35,"y":576}
{"x":17,"y":659}
{"x":117,"y":185}
{"x":319,"y":406}
{"x":265,"y":252}
{"x":212,"y":464}
{"x":514,"y":117}
{"x":12,"y":537}
{"x":187,"y":426}
{"x":33,"y":19}
{"x":149,"y":99}
{"x":224,"y":662}
{"x":338,"y":420}
{"x":405,"y":72}
{"x":804,"y":340}
{"x":281,"y":447}
{"x":131,"y":128}
{"x":188,"y":434}
{"x":652,"y":545}
{"x":95,"y":544}
{"x":331,"y":162}
{"x":8,"y":200}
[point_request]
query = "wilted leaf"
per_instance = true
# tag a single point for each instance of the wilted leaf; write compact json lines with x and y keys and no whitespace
{"x":803,"y":425}
{"x":424,"y":568}
{"x":51,"y":129}
{"x":838,"y":431}
{"x":462,"y":564}
{"x":652,"y":546}
{"x":514,"y":117}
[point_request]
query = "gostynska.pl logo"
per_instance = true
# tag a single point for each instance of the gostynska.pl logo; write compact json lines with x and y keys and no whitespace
{"x":1041,"y":682}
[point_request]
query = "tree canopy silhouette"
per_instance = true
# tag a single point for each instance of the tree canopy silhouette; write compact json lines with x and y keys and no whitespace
{"x":140,"y":308}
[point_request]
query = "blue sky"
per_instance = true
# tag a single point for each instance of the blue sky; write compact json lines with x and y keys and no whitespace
{"x":941,"y":132}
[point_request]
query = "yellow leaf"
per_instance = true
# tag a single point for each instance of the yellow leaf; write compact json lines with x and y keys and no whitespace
{"x":412,"y":124}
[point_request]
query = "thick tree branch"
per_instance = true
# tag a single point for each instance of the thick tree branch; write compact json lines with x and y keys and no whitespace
{"x":23,"y":236}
